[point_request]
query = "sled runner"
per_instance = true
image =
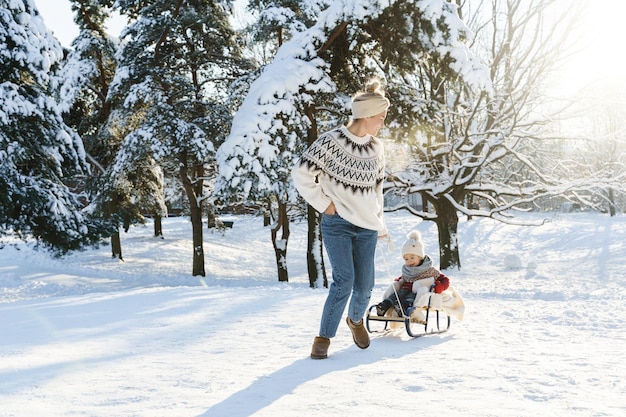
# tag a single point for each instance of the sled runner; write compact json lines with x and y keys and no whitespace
{"x":418,"y":321}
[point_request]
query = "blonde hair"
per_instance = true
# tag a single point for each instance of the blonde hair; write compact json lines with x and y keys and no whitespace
{"x":372,"y":88}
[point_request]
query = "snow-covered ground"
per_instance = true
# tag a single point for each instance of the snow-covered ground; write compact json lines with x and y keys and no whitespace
{"x":87,"y":335}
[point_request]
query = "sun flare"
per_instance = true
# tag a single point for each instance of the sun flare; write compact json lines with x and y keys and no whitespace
{"x":599,"y":57}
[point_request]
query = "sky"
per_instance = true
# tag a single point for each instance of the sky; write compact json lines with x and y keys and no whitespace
{"x":59,"y":18}
{"x":600,"y":43}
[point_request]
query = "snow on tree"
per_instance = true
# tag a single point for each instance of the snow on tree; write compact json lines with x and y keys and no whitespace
{"x":263,"y":145}
{"x":593,"y":146}
{"x":479,"y":154}
{"x":175,"y":64}
{"x":278,"y":21}
{"x":85,"y":78}
{"x":88,"y":69}
{"x":342,"y":49}
{"x":39,"y":153}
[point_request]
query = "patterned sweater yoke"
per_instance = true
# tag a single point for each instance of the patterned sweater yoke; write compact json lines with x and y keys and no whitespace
{"x":350,"y":164}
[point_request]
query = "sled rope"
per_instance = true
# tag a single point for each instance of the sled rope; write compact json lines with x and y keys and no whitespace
{"x":390,"y":248}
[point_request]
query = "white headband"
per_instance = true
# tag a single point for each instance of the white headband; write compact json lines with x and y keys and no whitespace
{"x":369,"y":107}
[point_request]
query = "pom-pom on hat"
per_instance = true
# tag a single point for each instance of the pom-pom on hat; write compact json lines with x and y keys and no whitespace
{"x":414,"y":244}
{"x":370,"y":102}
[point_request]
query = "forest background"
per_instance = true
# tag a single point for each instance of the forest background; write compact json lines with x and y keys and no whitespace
{"x":200,"y":108}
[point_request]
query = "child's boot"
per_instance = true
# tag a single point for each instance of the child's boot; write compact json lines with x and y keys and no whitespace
{"x":383,"y":306}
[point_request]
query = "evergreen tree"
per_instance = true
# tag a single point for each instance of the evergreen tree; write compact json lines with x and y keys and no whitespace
{"x":85,"y":79}
{"x":86,"y":76}
{"x":278,"y":22}
{"x":306,"y":87}
{"x":39,"y":154}
{"x":174,"y":68}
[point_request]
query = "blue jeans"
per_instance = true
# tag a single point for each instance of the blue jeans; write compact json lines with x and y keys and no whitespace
{"x":406,"y":297}
{"x":351,"y":251}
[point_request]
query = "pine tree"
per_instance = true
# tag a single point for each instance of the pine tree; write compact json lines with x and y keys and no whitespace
{"x":307,"y":86}
{"x":174,"y":68}
{"x":83,"y":95}
{"x":277,"y":23}
{"x":85,"y":79}
{"x":39,"y":154}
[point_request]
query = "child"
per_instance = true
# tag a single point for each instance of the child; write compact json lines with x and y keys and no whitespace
{"x":418,"y":275}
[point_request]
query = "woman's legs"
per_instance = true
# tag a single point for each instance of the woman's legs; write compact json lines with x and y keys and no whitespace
{"x":337,"y":236}
{"x":351,"y":252}
{"x":364,"y":251}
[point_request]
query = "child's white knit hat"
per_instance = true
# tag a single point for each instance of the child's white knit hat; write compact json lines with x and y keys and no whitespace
{"x":413,"y":244}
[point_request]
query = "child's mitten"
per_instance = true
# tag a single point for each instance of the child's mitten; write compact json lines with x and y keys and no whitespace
{"x":441,"y":284}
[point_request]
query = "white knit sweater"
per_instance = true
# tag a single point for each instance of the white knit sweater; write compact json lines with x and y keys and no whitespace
{"x":347,"y":170}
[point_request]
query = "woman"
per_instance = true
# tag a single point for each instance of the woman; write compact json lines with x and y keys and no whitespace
{"x":341,"y":175}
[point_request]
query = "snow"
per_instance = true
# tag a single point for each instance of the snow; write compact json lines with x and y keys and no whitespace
{"x":90,"y":335}
{"x":87,"y":334}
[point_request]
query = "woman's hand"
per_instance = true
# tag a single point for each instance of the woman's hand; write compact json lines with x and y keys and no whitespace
{"x":330,"y":210}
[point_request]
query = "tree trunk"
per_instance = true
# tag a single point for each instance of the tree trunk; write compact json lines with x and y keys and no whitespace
{"x":280,"y":245}
{"x":193,"y":190}
{"x":116,"y":243}
{"x":447,"y":225}
{"x":210,"y":218}
{"x":267,"y":214}
{"x":612,"y":211}
{"x":198,"y":244}
{"x":158,"y":226}
{"x":314,"y":254}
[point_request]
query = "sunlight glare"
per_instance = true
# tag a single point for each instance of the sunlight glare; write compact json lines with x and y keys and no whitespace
{"x":600,"y":57}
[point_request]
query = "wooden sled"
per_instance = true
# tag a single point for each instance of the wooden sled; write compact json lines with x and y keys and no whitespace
{"x":430,"y":321}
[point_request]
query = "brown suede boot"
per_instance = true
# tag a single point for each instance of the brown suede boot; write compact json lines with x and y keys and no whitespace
{"x":359,"y":334}
{"x":320,"y":347}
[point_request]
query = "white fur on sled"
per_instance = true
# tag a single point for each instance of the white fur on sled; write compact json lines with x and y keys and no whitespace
{"x":449,"y":301}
